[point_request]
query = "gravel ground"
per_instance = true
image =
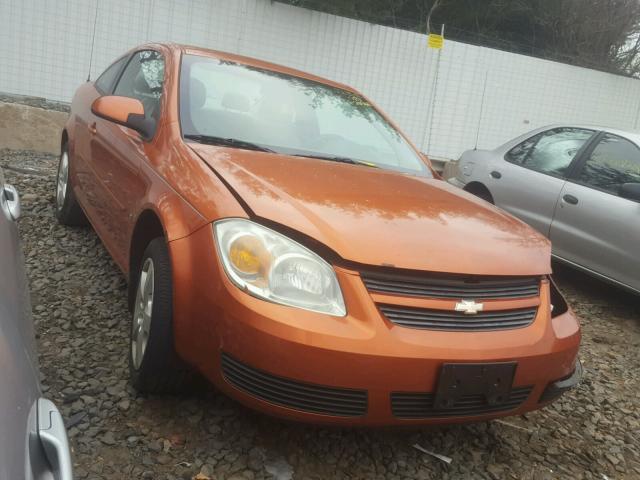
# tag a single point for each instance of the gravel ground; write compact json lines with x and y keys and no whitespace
{"x":82,"y":323}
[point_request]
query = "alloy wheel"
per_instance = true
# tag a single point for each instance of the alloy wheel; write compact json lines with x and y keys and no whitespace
{"x":63,"y":180}
{"x":142,"y":314}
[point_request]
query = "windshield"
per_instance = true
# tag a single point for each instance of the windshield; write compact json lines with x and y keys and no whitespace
{"x":287,"y":114}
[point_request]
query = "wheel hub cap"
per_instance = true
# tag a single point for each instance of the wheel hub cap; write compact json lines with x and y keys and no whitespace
{"x":142,"y":314}
{"x":63,"y":177}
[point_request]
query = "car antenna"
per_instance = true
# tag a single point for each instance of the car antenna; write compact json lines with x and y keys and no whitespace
{"x":93,"y":40}
{"x":484,"y":89}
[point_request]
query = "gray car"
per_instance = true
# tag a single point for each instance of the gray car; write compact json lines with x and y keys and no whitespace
{"x":578,"y":185}
{"x":33,"y":440}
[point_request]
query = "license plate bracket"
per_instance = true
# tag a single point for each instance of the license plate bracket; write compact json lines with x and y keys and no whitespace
{"x":492,"y":380}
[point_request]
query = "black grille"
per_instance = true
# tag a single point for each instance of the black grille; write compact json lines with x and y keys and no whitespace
{"x":450,"y":286}
{"x":420,"y":405}
{"x":289,"y":393}
{"x":458,"y":321}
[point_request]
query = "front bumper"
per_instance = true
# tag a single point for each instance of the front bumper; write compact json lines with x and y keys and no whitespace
{"x":555,"y":389}
{"x":359,"y":369}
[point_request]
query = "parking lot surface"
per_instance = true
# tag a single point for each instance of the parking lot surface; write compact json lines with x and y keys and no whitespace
{"x":79,"y":304}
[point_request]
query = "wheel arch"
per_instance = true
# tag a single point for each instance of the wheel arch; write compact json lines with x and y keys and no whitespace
{"x":64,"y":139}
{"x":148,"y":226}
{"x":480,"y":190}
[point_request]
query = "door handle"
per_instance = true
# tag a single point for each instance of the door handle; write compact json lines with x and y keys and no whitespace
{"x":570,"y":199}
{"x":53,"y":437}
{"x":93,"y":129}
{"x":496,"y":174}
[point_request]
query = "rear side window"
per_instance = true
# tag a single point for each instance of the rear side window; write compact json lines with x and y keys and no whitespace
{"x":105,"y":82}
{"x":143,"y":78}
{"x":550,"y":152}
{"x":613,"y":162}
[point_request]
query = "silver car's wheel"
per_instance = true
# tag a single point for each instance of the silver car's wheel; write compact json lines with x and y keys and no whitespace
{"x":142,"y":314}
{"x":63,"y":180}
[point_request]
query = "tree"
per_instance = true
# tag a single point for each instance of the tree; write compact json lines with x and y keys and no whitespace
{"x":375,"y":11}
{"x":603,"y":34}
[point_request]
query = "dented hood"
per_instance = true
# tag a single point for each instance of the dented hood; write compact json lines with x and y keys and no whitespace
{"x":379,"y":217}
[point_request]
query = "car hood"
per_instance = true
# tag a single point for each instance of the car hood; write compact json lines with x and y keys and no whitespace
{"x":380,"y":217}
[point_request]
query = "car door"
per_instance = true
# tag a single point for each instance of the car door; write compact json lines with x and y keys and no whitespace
{"x":594,"y":226}
{"x":18,"y":381}
{"x":85,"y":121}
{"x":31,"y":446}
{"x":528,"y":181}
{"x":117,"y":152}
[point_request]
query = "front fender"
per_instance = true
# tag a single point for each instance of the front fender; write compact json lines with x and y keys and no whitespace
{"x":177,"y":216}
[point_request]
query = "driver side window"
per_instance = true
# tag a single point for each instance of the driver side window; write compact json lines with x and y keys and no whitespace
{"x":613,"y":162}
{"x":142,"y":79}
{"x":550,"y":152}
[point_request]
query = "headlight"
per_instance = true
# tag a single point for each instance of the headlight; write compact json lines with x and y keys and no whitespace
{"x":271,"y":266}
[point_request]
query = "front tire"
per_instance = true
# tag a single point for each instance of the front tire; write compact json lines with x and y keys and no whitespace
{"x":154,"y":365}
{"x":68,"y":211}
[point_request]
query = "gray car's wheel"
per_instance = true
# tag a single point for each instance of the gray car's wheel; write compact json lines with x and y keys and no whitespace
{"x":154,"y":365}
{"x":68,"y":211}
{"x":480,"y":191}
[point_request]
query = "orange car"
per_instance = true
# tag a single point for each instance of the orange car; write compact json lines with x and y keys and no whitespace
{"x":285,"y":239}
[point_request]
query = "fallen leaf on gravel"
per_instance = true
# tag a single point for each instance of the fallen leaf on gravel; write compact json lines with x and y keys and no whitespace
{"x":279,"y":469}
{"x":177,"y":439}
{"x":166,"y":446}
{"x":75,"y":419}
{"x":201,"y":476}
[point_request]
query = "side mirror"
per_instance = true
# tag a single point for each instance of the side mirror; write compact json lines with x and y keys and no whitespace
{"x":125,"y":111}
{"x":630,"y":191}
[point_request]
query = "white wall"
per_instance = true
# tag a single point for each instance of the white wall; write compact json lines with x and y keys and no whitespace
{"x":45,"y":49}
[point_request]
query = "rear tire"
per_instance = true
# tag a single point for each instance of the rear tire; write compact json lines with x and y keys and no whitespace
{"x":68,"y":211}
{"x":154,"y":365}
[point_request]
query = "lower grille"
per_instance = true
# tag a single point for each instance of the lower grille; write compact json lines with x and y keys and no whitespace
{"x":306,"y":397}
{"x":421,"y":405}
{"x":457,"y":321}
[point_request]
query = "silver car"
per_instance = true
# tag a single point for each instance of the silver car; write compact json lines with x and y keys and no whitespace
{"x":33,"y":440}
{"x":578,"y":185}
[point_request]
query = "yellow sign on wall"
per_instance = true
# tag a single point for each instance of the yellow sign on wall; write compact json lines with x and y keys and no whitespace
{"x":435,"y":41}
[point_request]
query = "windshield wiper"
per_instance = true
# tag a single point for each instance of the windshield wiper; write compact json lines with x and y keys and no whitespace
{"x":337,"y":158}
{"x":227,"y":142}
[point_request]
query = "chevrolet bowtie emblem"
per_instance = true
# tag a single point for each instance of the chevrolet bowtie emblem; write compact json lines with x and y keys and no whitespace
{"x":469,"y":307}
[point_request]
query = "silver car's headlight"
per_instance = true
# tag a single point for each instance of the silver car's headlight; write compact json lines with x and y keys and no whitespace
{"x":269,"y":265}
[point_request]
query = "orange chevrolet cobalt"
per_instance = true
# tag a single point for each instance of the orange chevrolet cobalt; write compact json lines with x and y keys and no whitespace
{"x":282,"y":237}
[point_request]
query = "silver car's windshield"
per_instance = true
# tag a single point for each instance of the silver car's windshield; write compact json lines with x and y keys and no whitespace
{"x":248,"y":107}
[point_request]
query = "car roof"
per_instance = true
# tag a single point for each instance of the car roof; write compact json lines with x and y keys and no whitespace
{"x":631,"y":135}
{"x":254,"y":62}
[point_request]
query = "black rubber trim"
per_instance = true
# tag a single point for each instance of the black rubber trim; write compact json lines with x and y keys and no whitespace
{"x":289,"y":393}
{"x":430,"y":319}
{"x":555,"y":389}
{"x":421,"y":405}
{"x":452,"y":286}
